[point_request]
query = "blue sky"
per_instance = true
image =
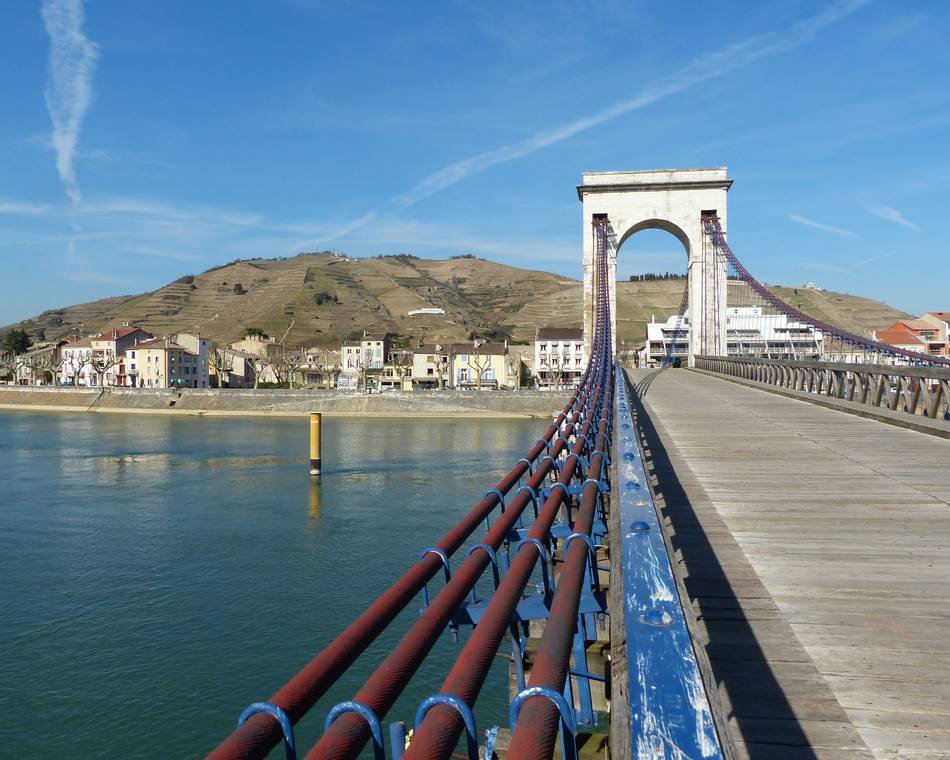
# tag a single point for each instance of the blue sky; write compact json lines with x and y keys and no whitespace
{"x":141,"y":140}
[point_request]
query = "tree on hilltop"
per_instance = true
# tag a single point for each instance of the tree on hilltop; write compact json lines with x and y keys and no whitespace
{"x":15,"y":342}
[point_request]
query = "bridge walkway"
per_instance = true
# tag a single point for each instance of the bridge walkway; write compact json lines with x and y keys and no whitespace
{"x":815,"y":547}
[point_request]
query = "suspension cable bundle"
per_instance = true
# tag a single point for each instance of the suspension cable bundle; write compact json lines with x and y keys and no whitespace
{"x":569,"y":461}
{"x":714,"y":229}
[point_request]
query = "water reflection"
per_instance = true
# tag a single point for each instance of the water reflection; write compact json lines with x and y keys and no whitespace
{"x":154,"y":553}
{"x":315,"y":498}
{"x":250,"y":461}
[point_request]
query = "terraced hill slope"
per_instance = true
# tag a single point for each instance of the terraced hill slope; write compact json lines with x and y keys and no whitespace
{"x":322,"y":298}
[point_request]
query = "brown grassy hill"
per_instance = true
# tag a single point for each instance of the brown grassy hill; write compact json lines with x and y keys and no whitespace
{"x":326,"y":298}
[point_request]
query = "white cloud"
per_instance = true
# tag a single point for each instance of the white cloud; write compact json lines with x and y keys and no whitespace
{"x":874,"y":259}
{"x":69,"y":86}
{"x":21,"y":209}
{"x":98,"y":278}
{"x":806,"y":222}
{"x":702,"y":69}
{"x":824,"y":266}
{"x":890,"y":214}
{"x":161,"y":211}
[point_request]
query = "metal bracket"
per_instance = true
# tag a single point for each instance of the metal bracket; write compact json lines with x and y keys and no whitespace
{"x":545,"y":561}
{"x":554,"y":463}
{"x":568,"y":720}
{"x":290,"y":747}
{"x":602,"y":485}
{"x":468,"y":718}
{"x":546,"y":491}
{"x":494,"y":565}
{"x":445,"y":564}
{"x":591,"y":554}
{"x":366,"y":714}
{"x":533,"y":493}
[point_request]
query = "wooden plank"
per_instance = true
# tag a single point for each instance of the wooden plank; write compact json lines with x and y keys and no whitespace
{"x":845,"y":524}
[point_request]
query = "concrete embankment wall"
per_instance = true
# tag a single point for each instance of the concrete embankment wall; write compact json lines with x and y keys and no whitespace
{"x":287,"y":402}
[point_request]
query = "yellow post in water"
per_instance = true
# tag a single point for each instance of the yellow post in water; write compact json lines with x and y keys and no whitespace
{"x":315,"y":444}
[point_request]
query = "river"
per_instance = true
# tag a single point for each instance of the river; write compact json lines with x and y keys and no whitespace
{"x":159,"y":573}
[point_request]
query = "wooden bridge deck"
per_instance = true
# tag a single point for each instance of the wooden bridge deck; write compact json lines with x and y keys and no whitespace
{"x":815,"y":546}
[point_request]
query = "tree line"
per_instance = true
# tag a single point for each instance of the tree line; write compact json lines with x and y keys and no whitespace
{"x":651,"y":276}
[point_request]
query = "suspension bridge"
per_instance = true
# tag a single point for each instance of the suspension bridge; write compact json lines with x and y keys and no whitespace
{"x":747,"y":556}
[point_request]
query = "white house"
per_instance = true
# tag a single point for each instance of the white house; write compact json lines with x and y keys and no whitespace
{"x":201,"y":348}
{"x":559,"y":356}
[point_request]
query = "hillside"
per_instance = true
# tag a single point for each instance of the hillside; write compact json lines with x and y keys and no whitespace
{"x":327,"y":298}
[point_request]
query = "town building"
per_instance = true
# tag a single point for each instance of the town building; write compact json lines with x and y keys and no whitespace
{"x":257,"y":345}
{"x":375,"y":348}
{"x":559,"y":356}
{"x":40,"y":365}
{"x":162,"y":363}
{"x":102,"y":359}
{"x":238,"y":369}
{"x":397,"y":372}
{"x":75,"y":369}
{"x":200,"y":347}
{"x":750,"y":331}
{"x":902,"y":339}
{"x":480,"y":365}
{"x":431,"y":366}
{"x":351,"y":365}
{"x":320,"y":366}
{"x":921,"y":335}
{"x":941,"y":320}
{"x":362,"y":361}
{"x":267,"y":356}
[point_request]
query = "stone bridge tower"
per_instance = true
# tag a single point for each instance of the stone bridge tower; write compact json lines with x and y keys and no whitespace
{"x":668,"y":199}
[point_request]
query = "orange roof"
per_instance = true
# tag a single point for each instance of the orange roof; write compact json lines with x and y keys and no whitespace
{"x":944,"y":315}
{"x":898,"y":338}
{"x":913,"y":324}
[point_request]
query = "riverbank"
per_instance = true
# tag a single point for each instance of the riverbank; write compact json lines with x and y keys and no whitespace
{"x":285,"y":403}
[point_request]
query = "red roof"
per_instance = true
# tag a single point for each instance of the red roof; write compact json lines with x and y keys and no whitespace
{"x":162,"y":343}
{"x":115,"y":333}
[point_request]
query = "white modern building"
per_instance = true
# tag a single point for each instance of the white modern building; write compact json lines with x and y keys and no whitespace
{"x":750,"y":331}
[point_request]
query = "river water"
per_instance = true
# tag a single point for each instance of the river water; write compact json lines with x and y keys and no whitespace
{"x":158,"y":573}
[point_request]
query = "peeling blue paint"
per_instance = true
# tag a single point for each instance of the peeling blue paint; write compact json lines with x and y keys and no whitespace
{"x":670,"y":717}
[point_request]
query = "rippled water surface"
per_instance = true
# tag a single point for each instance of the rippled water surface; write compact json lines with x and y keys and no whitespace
{"x":158,"y":574}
